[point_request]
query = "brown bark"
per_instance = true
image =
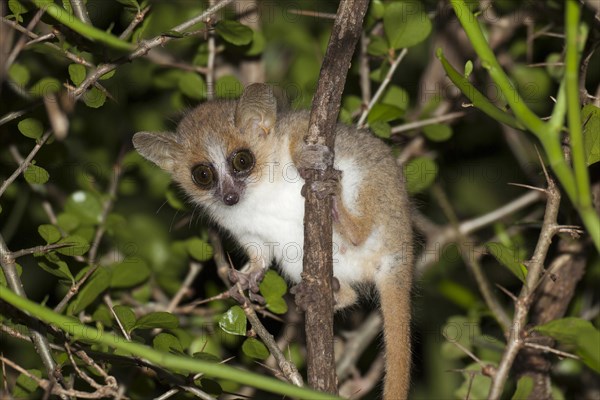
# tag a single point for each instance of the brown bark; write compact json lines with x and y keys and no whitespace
{"x":318,"y":270}
{"x":555,"y":294}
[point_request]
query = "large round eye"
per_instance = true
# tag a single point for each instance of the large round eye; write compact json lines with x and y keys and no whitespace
{"x":203,"y":176}
{"x":242,"y":161}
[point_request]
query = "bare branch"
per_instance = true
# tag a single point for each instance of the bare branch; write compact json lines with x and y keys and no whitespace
{"x":23,"y":166}
{"x":382,"y":87}
{"x":526,"y":296}
{"x":40,"y":342}
{"x":80,"y":11}
{"x":288,"y":368}
{"x":429,"y":121}
{"x":317,"y":273}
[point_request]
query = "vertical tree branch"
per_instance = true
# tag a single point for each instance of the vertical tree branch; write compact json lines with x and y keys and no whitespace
{"x":318,"y":271}
{"x":527,"y":294}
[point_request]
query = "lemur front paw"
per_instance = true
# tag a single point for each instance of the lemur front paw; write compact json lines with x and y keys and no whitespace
{"x":328,"y":186}
{"x":314,"y":156}
{"x":249,"y":280}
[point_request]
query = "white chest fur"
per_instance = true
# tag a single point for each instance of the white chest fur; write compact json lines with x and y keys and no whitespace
{"x":268,"y":223}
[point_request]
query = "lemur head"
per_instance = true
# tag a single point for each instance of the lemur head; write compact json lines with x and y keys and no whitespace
{"x":219,"y":149}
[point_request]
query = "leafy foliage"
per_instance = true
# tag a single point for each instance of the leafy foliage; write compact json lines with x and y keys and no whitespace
{"x":108,"y":241}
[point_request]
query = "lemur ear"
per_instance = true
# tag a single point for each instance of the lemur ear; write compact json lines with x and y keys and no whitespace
{"x":158,"y":148}
{"x":257,"y":109}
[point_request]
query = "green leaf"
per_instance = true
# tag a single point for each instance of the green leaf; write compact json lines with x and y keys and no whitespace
{"x":590,"y":115}
{"x":384,"y":113}
{"x":108,"y":75}
{"x":254,"y":348}
{"x":103,"y":315}
{"x":381,"y":129}
{"x":49,"y":233}
{"x":86,"y":30}
{"x":258,"y":44}
{"x":272,"y":288}
{"x":377,"y":9}
{"x":460,"y":330}
{"x":94,"y":98}
{"x":468,"y":69}
{"x":420,"y":173}
{"x":31,"y":127}
{"x":78,"y":246}
{"x":396,"y":96}
{"x":228,"y":87}
{"x":458,"y":294}
{"x":475,"y":385}
{"x":199,"y":249}
{"x":210,"y":386}
{"x":273,"y":284}
{"x":3,"y":278}
{"x":77,"y":73}
{"x":173,"y":34}
{"x":234,"y":32}
{"x":130,"y":3}
{"x":524,"y":388}
{"x":174,"y":200}
{"x":405,"y":24}
{"x":19,"y":74}
{"x":44,"y":87}
{"x":128,"y":273}
{"x":167,"y":343}
{"x":67,"y":222}
{"x":192,"y":85}
{"x":159,"y":319}
{"x":437,"y":132}
{"x":126,"y":317}
{"x":234,"y":321}
{"x":60,"y":269}
{"x":507,"y":257}
{"x":17,"y":8}
{"x":378,"y":46}
{"x":579,"y":334}
{"x":85,"y":206}
{"x":36,"y":175}
{"x":95,"y":285}
{"x":25,"y":386}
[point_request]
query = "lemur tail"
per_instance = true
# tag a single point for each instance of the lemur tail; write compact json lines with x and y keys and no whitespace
{"x":395,"y":307}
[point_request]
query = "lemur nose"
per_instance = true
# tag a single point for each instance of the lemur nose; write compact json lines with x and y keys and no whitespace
{"x":231,"y":199}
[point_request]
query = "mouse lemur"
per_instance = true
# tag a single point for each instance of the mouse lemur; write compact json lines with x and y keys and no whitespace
{"x":241,"y":161}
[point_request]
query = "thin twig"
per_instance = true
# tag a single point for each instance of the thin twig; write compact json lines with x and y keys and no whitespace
{"x":71,"y":56}
{"x":309,"y":13}
{"x":23,"y":166}
{"x":22,"y":40}
{"x":45,"y":384}
{"x":144,"y":47}
{"x":80,"y":11}
{"x":525,"y":299}
{"x":358,"y":341}
{"x":106,"y":209}
{"x":472,"y":262}
{"x":382,"y":87}
{"x":39,"y":249}
{"x":287,"y":367}
{"x":194,"y":270}
{"x":40,"y":342}
{"x":551,"y":350}
{"x":429,"y":121}
{"x":447,"y":235}
{"x":210,"y":63}
{"x":364,"y":70}
{"x":139,"y":17}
